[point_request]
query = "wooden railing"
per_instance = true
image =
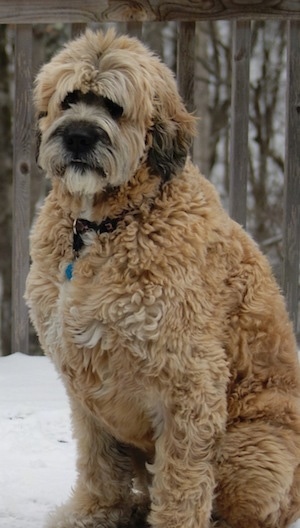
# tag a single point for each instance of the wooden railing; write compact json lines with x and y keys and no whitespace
{"x":24,"y":13}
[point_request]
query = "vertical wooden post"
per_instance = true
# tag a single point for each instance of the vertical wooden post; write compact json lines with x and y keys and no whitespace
{"x":135,"y":29}
{"x":201,"y":154}
{"x":21,"y":183}
{"x":291,"y":226}
{"x":77,"y":29}
{"x":186,"y":63}
{"x":239,"y":120}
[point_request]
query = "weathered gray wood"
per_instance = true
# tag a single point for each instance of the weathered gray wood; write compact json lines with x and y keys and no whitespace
{"x":41,"y":11}
{"x":135,"y":29}
{"x":77,"y":29}
{"x":291,"y":228}
{"x":21,"y":184}
{"x":239,"y":120}
{"x":186,"y":63}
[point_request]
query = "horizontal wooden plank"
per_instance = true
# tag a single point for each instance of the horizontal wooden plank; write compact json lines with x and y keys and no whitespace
{"x":41,"y":11}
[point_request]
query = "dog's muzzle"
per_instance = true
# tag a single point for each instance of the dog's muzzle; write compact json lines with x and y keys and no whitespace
{"x":81,"y":142}
{"x":79,"y":139}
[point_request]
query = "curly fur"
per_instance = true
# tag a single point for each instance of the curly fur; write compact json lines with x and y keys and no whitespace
{"x":172,"y":337}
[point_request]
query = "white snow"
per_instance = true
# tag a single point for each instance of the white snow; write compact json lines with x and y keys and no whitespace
{"x":37,"y":452}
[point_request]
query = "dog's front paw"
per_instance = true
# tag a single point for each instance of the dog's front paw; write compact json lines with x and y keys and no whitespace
{"x":64,"y":518}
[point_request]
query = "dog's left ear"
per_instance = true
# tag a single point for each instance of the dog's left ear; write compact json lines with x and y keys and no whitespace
{"x":171,"y":136}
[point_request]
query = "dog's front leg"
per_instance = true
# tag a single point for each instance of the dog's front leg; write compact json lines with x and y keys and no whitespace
{"x":102,"y":496}
{"x":194,"y":416}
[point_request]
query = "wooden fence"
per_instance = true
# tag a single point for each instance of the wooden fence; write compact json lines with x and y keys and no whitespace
{"x":24,"y":13}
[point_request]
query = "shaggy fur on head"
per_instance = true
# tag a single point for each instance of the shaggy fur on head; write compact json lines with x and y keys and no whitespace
{"x":170,"y":333}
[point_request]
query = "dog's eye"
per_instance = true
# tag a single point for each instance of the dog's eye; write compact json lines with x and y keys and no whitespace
{"x":114,"y":109}
{"x":42,"y":114}
{"x":71,"y":98}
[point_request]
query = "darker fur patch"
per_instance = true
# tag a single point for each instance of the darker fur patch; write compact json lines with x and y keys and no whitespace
{"x":138,"y":518}
{"x":91,"y":99}
{"x":168,"y":152}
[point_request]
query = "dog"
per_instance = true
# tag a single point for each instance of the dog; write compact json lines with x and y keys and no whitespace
{"x":159,"y":312}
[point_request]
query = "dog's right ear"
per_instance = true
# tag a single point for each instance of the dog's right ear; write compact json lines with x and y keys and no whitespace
{"x":38,"y":136}
{"x":38,"y":139}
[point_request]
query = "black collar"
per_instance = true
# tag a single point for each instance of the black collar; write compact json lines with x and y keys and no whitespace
{"x":108,"y":225}
{"x":81,"y":226}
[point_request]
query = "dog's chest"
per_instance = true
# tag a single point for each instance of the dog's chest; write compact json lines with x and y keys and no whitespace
{"x":96,"y":334}
{"x":105,"y":385}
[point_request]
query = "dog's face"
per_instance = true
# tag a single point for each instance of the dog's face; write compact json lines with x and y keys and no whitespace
{"x":107,"y":106}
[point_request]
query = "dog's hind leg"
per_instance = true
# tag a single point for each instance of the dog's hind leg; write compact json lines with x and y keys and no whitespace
{"x":256,"y":476}
{"x":103,"y":494}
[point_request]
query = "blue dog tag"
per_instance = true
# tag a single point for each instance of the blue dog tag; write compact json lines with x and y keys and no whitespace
{"x":69,"y":271}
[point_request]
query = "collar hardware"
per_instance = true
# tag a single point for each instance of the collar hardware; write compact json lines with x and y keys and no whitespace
{"x":81,"y":226}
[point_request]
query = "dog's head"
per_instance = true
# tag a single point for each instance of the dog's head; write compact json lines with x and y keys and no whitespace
{"x":106,"y":105}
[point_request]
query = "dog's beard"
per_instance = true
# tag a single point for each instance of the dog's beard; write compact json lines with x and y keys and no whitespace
{"x":83,"y":175}
{"x":87,"y":181}
{"x":103,"y":166}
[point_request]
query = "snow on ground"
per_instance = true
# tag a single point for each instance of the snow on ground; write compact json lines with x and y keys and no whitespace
{"x":37,"y":453}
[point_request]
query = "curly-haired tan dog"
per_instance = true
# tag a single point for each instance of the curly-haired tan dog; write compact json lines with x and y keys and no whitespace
{"x":158,"y":310}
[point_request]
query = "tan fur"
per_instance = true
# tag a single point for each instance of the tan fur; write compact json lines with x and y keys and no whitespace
{"x":172,"y":338}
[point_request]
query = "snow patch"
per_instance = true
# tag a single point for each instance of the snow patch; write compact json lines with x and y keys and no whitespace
{"x":37,"y":452}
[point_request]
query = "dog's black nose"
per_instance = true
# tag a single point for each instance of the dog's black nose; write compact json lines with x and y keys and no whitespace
{"x":79,"y":139}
